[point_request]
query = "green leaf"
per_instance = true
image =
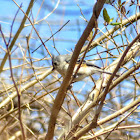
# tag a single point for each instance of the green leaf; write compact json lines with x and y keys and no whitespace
{"x":119,"y":2}
{"x":116,"y":23}
{"x":111,"y":19}
{"x":106,"y":16}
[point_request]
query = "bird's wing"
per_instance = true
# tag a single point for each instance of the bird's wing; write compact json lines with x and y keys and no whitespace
{"x":92,"y":65}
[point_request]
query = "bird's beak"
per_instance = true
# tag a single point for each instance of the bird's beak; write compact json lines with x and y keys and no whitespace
{"x":53,"y":68}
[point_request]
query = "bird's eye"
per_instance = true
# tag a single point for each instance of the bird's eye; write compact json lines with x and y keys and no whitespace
{"x":54,"y":63}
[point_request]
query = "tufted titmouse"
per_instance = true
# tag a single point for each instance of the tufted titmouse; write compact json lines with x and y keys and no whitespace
{"x":61,"y":63}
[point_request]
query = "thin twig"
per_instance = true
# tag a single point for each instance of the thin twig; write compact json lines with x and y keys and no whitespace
{"x":34,"y":28}
{"x":16,"y":35}
{"x":17,"y":91}
{"x":51,"y":36}
{"x":63,"y":89}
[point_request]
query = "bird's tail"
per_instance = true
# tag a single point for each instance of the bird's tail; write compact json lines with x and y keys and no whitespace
{"x":110,"y":73}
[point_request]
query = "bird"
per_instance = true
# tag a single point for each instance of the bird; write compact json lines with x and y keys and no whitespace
{"x":60,"y":63}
